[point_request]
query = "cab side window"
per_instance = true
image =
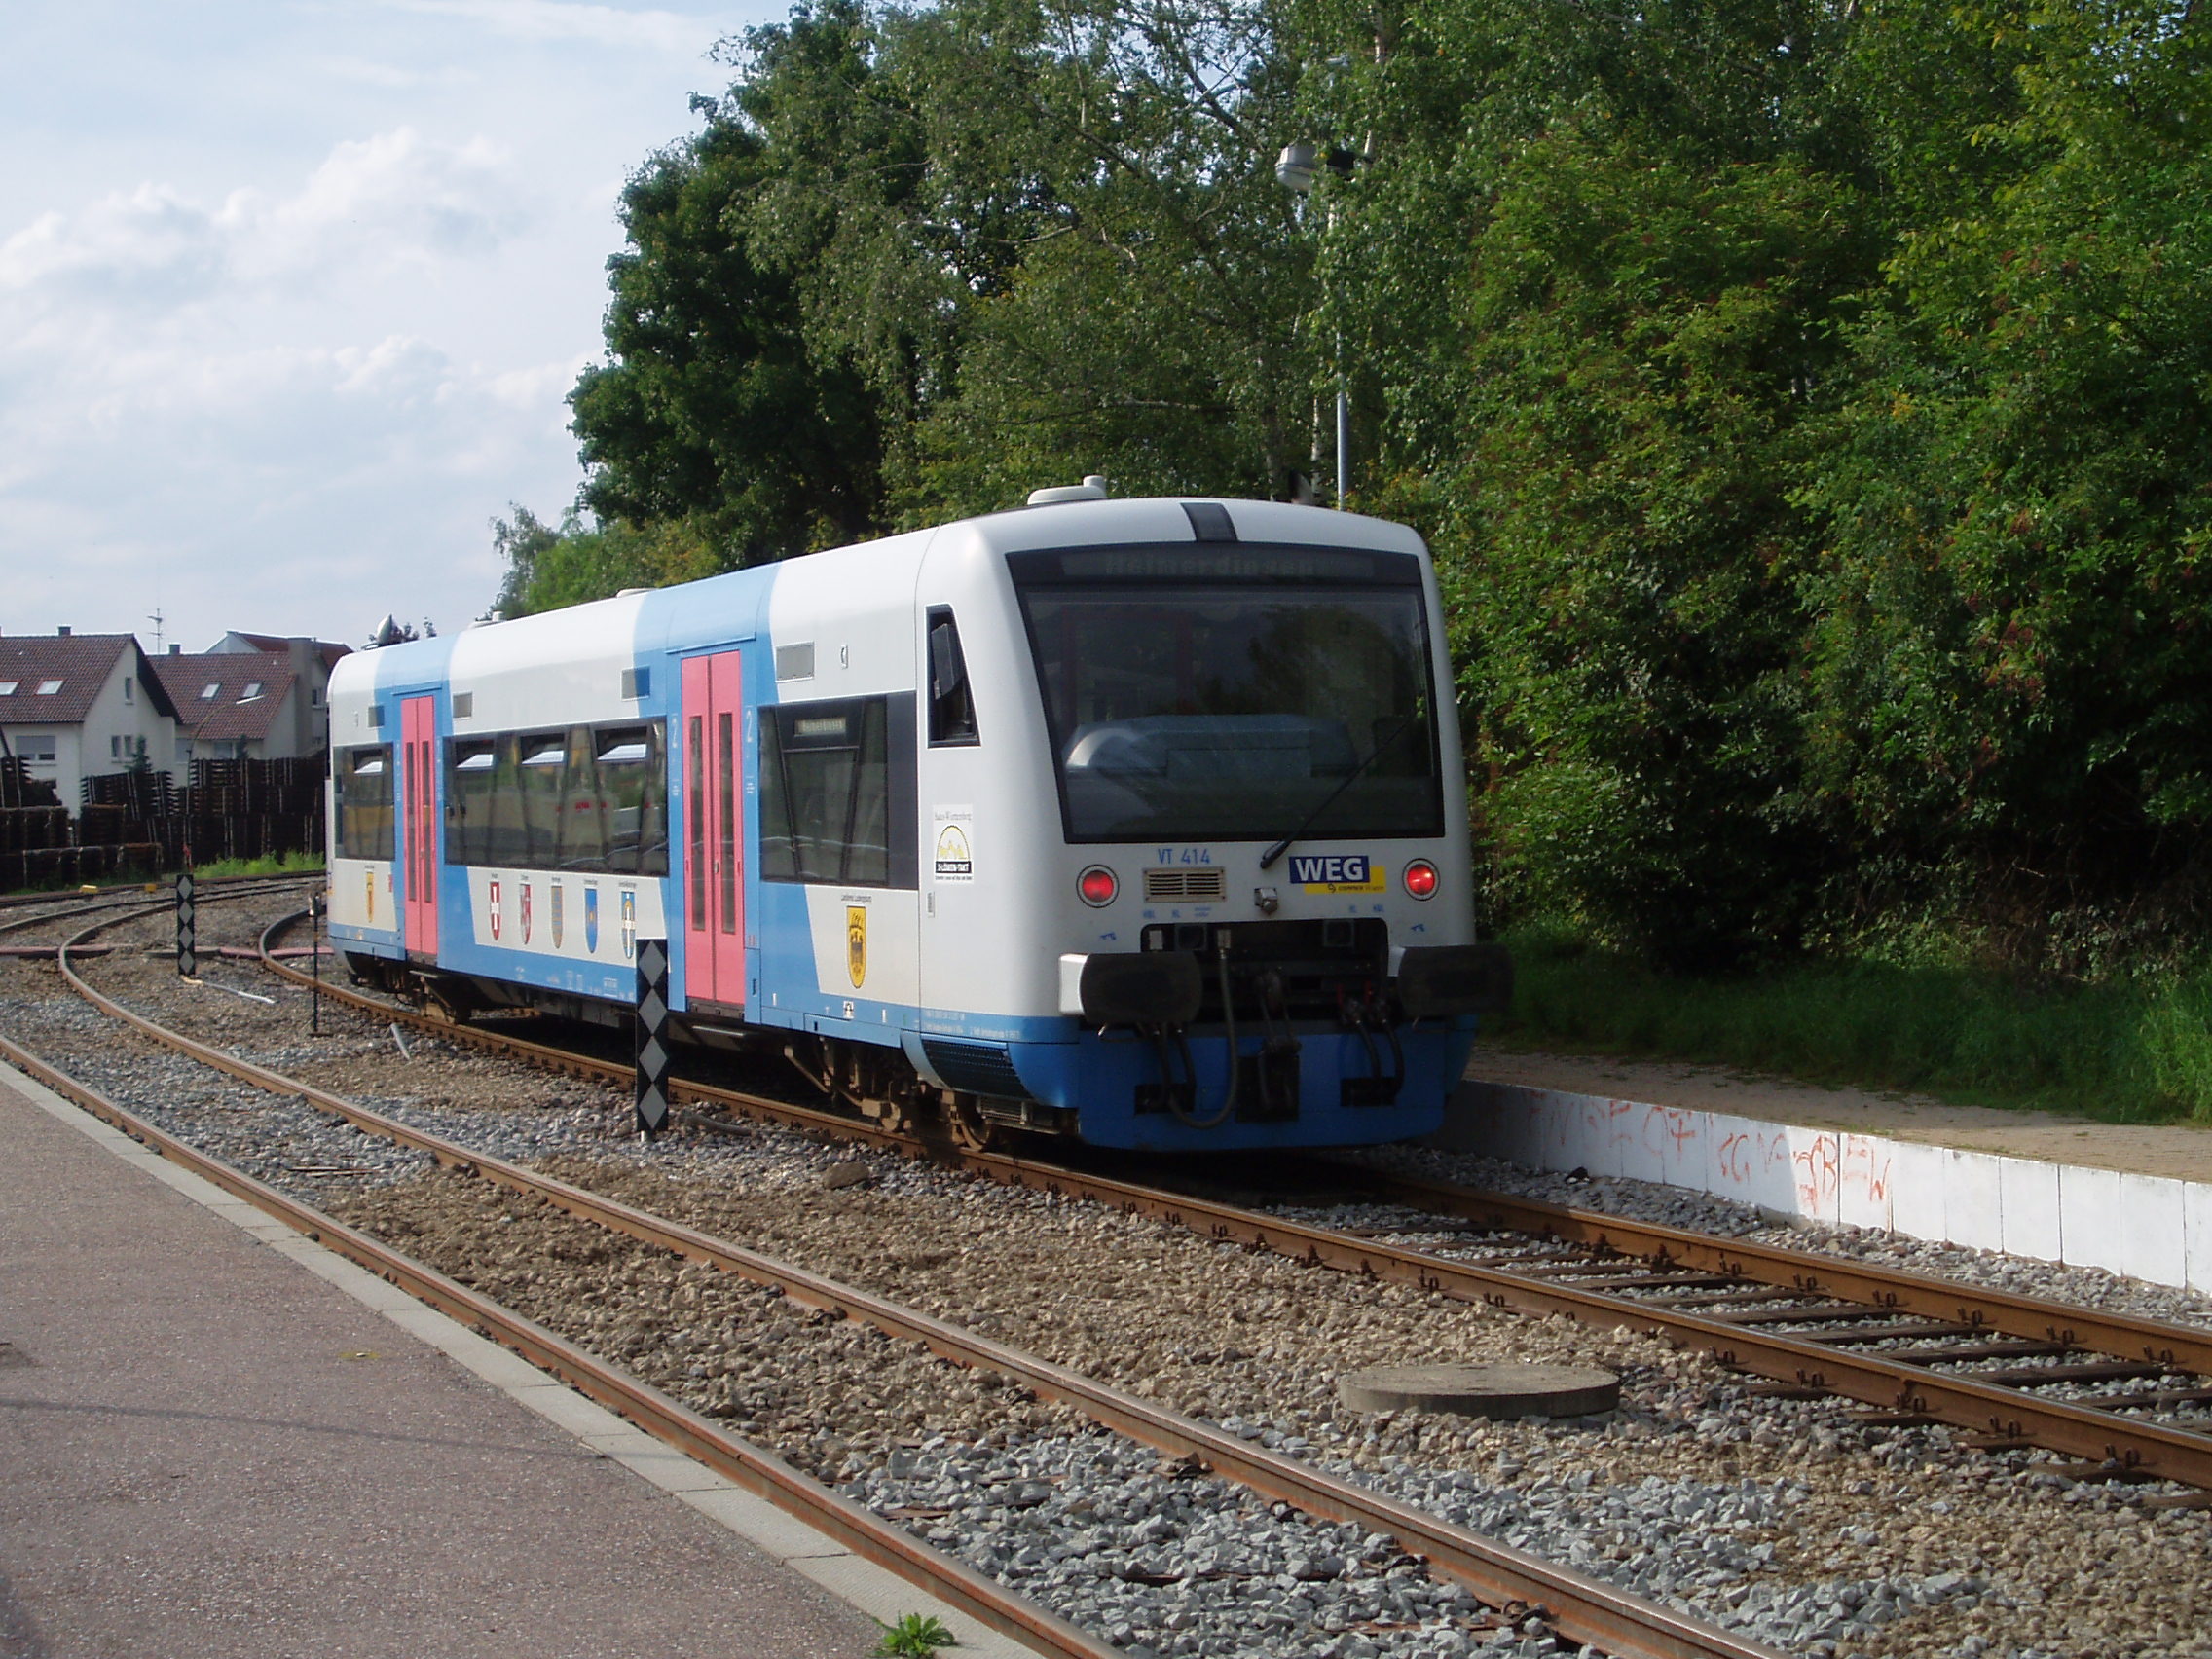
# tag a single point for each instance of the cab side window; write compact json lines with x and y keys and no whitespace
{"x":364,"y":802}
{"x":837,"y":793}
{"x":952,"y":700}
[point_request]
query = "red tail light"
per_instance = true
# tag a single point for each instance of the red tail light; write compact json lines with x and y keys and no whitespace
{"x":1420,"y":879}
{"x":1097,"y":885}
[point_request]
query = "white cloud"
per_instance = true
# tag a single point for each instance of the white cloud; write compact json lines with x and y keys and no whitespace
{"x":179,"y":387}
{"x":147,"y":247}
{"x":395,"y":200}
{"x":290,"y":308}
{"x":392,"y":77}
{"x":568,"y":20}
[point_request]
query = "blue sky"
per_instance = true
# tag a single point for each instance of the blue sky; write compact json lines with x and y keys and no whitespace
{"x":291,"y":292}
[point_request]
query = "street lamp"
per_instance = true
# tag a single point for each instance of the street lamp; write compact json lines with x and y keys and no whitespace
{"x":1298,"y":170}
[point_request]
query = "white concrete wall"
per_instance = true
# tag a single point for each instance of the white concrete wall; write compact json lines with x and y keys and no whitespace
{"x":2148,"y":1227}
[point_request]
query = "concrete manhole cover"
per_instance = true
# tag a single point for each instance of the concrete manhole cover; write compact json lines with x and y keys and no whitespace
{"x":1483,"y":1391}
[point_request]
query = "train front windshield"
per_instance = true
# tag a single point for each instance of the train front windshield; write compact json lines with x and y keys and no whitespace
{"x":1235,"y":692}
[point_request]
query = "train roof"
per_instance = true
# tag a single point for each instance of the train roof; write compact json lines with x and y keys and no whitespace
{"x":610,"y":626}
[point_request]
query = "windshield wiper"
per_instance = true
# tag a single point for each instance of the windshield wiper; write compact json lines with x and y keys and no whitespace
{"x":1405,"y":724}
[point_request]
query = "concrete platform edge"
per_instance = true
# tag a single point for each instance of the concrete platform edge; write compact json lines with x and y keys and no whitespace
{"x":2153,"y":1228}
{"x":783,"y":1537}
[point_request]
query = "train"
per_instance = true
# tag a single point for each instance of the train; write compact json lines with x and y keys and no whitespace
{"x":1141,"y":822}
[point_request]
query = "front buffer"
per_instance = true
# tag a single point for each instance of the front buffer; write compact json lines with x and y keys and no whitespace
{"x":1330,"y":1048}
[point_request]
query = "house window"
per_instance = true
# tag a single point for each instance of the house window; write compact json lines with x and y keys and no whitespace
{"x":127,"y":689}
{"x":251,"y":692}
{"x":315,"y":697}
{"x":48,"y":688}
{"x":8,"y":687}
{"x":208,"y":691}
{"x":36,"y":747}
{"x":115,"y":748}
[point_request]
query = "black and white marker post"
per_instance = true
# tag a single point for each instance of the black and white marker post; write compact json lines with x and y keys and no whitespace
{"x":652,"y":1037}
{"x":314,"y":957}
{"x":187,"y":953}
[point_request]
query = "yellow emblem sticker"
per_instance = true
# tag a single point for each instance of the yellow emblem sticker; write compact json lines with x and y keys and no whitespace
{"x":369,"y":881}
{"x":856,"y":942}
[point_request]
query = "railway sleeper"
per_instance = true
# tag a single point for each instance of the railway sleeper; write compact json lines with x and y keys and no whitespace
{"x":2163,"y":1399}
{"x":1828,"y":1316}
{"x":1665,"y":1282}
{"x":2039,"y":1375}
{"x":1896,"y":1333}
{"x":1964,"y":1352}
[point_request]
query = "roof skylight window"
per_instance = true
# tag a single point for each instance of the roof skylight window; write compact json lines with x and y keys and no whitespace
{"x":8,"y":687}
{"x":208,"y":690}
{"x":251,"y":692}
{"x":48,"y":688}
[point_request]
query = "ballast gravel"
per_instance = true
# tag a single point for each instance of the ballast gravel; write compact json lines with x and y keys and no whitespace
{"x":1783,"y":1518}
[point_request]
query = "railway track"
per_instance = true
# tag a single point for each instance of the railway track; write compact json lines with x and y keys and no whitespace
{"x":1579,"y":1608}
{"x":145,"y":897}
{"x":1912,"y":1349}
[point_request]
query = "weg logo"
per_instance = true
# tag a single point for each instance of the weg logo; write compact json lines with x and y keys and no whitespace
{"x":1334,"y":869}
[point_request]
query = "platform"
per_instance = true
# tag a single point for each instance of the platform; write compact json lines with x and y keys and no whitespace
{"x":218,"y":1439}
{"x":2132,"y":1199}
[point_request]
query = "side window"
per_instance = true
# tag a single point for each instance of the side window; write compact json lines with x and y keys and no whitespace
{"x":952,"y":701}
{"x":543,"y":778}
{"x":590,"y":799}
{"x":837,"y":793}
{"x":472,"y":766}
{"x":633,"y":798}
{"x":364,"y":802}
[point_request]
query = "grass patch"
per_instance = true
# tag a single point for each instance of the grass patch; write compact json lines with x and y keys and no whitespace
{"x":2136,"y":1051}
{"x":914,"y":1636}
{"x":275,"y":863}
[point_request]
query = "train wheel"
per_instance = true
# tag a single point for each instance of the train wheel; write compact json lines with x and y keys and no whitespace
{"x":970,"y":1129}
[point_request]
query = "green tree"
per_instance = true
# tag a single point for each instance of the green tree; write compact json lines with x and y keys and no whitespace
{"x":713,"y":407}
{"x":549,"y":569}
{"x":1050,"y":235}
{"x":1642,"y":329}
{"x":2013,"y":690}
{"x":1589,"y":276}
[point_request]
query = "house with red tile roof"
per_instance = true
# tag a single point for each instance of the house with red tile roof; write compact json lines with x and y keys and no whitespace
{"x":241,"y":706}
{"x":251,"y":696}
{"x":74,"y":706}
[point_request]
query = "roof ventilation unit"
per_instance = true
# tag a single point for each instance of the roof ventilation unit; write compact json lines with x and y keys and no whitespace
{"x":1092,"y":489}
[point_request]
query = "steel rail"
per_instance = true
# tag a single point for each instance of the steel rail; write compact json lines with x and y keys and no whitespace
{"x":2001,"y":1413}
{"x":750,"y":1466}
{"x":1581,"y":1609}
{"x":1801,"y":1273}
{"x":150,"y":897}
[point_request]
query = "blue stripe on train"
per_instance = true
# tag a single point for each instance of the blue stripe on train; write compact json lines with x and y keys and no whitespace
{"x":1100,"y":1076}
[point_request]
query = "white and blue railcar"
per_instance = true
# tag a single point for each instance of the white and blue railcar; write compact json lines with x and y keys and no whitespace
{"x":1031,"y":820}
